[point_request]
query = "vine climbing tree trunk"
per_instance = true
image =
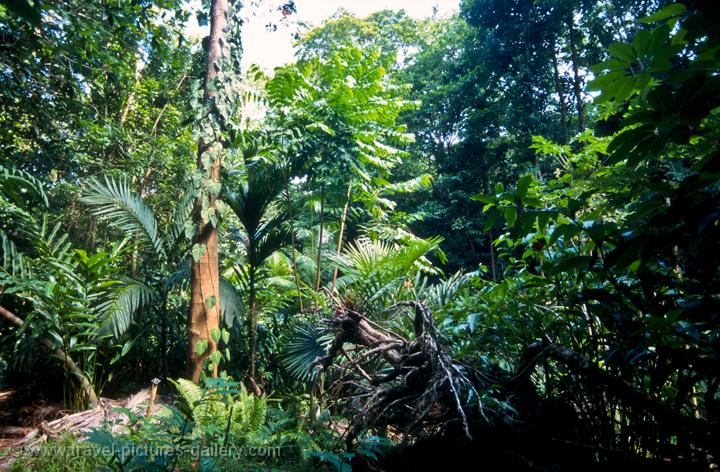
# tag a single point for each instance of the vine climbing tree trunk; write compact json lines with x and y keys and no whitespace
{"x":205,"y":280}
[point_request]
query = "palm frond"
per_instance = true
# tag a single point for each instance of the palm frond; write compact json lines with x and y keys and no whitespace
{"x":308,"y":342}
{"x":181,"y":214}
{"x":13,"y":261}
{"x":17,"y":185}
{"x":119,"y":304}
{"x":373,"y":272}
{"x":116,"y":203}
{"x":442,"y":293}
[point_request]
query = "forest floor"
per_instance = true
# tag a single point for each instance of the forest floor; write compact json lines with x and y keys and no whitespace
{"x":26,"y":420}
{"x":21,"y":412}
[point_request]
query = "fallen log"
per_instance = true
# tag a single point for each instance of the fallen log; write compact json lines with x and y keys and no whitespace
{"x":424,"y":389}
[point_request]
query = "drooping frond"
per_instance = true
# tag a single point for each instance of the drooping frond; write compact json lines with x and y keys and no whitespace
{"x":231,"y":303}
{"x":116,"y":203}
{"x":17,"y":185}
{"x":120,"y":302}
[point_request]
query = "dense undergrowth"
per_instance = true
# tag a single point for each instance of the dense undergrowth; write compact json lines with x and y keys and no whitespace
{"x":422,"y":257}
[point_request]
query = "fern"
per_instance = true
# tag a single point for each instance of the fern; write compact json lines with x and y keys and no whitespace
{"x":190,"y":391}
{"x":212,"y":408}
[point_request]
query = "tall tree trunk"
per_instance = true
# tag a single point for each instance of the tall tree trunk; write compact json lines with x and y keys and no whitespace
{"x":252,"y":326}
{"x":320,"y":237}
{"x":342,"y":230}
{"x":131,"y":95}
{"x":493,"y":263}
{"x":87,"y":389}
{"x":292,"y":242}
{"x":577,"y":81}
{"x":205,"y":278}
{"x":561,"y":96}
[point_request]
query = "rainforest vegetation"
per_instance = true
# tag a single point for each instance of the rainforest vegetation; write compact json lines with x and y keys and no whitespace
{"x":486,"y":240}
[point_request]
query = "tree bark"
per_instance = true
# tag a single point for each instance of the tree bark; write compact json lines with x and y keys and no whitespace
{"x":561,"y":97}
{"x":342,"y":230}
{"x":205,"y":278}
{"x":577,"y":81}
{"x":87,"y":388}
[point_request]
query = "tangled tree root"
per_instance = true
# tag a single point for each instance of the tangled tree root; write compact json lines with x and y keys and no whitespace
{"x":415,"y":388}
{"x":424,"y":389}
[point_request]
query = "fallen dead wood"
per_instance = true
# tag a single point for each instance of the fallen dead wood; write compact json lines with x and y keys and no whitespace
{"x":14,"y":431}
{"x":422,"y":389}
{"x":415,"y":388}
{"x":104,"y":413}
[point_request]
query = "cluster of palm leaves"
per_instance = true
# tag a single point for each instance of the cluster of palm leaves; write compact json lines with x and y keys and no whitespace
{"x":76,"y":300}
{"x":165,"y":261}
{"x":375,"y":276}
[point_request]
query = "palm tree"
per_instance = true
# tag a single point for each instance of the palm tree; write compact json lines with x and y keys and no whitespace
{"x":73,"y":301}
{"x":167,"y":265}
{"x":256,"y":201}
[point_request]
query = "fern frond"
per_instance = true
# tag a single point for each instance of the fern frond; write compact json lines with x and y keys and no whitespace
{"x":191,"y":392}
